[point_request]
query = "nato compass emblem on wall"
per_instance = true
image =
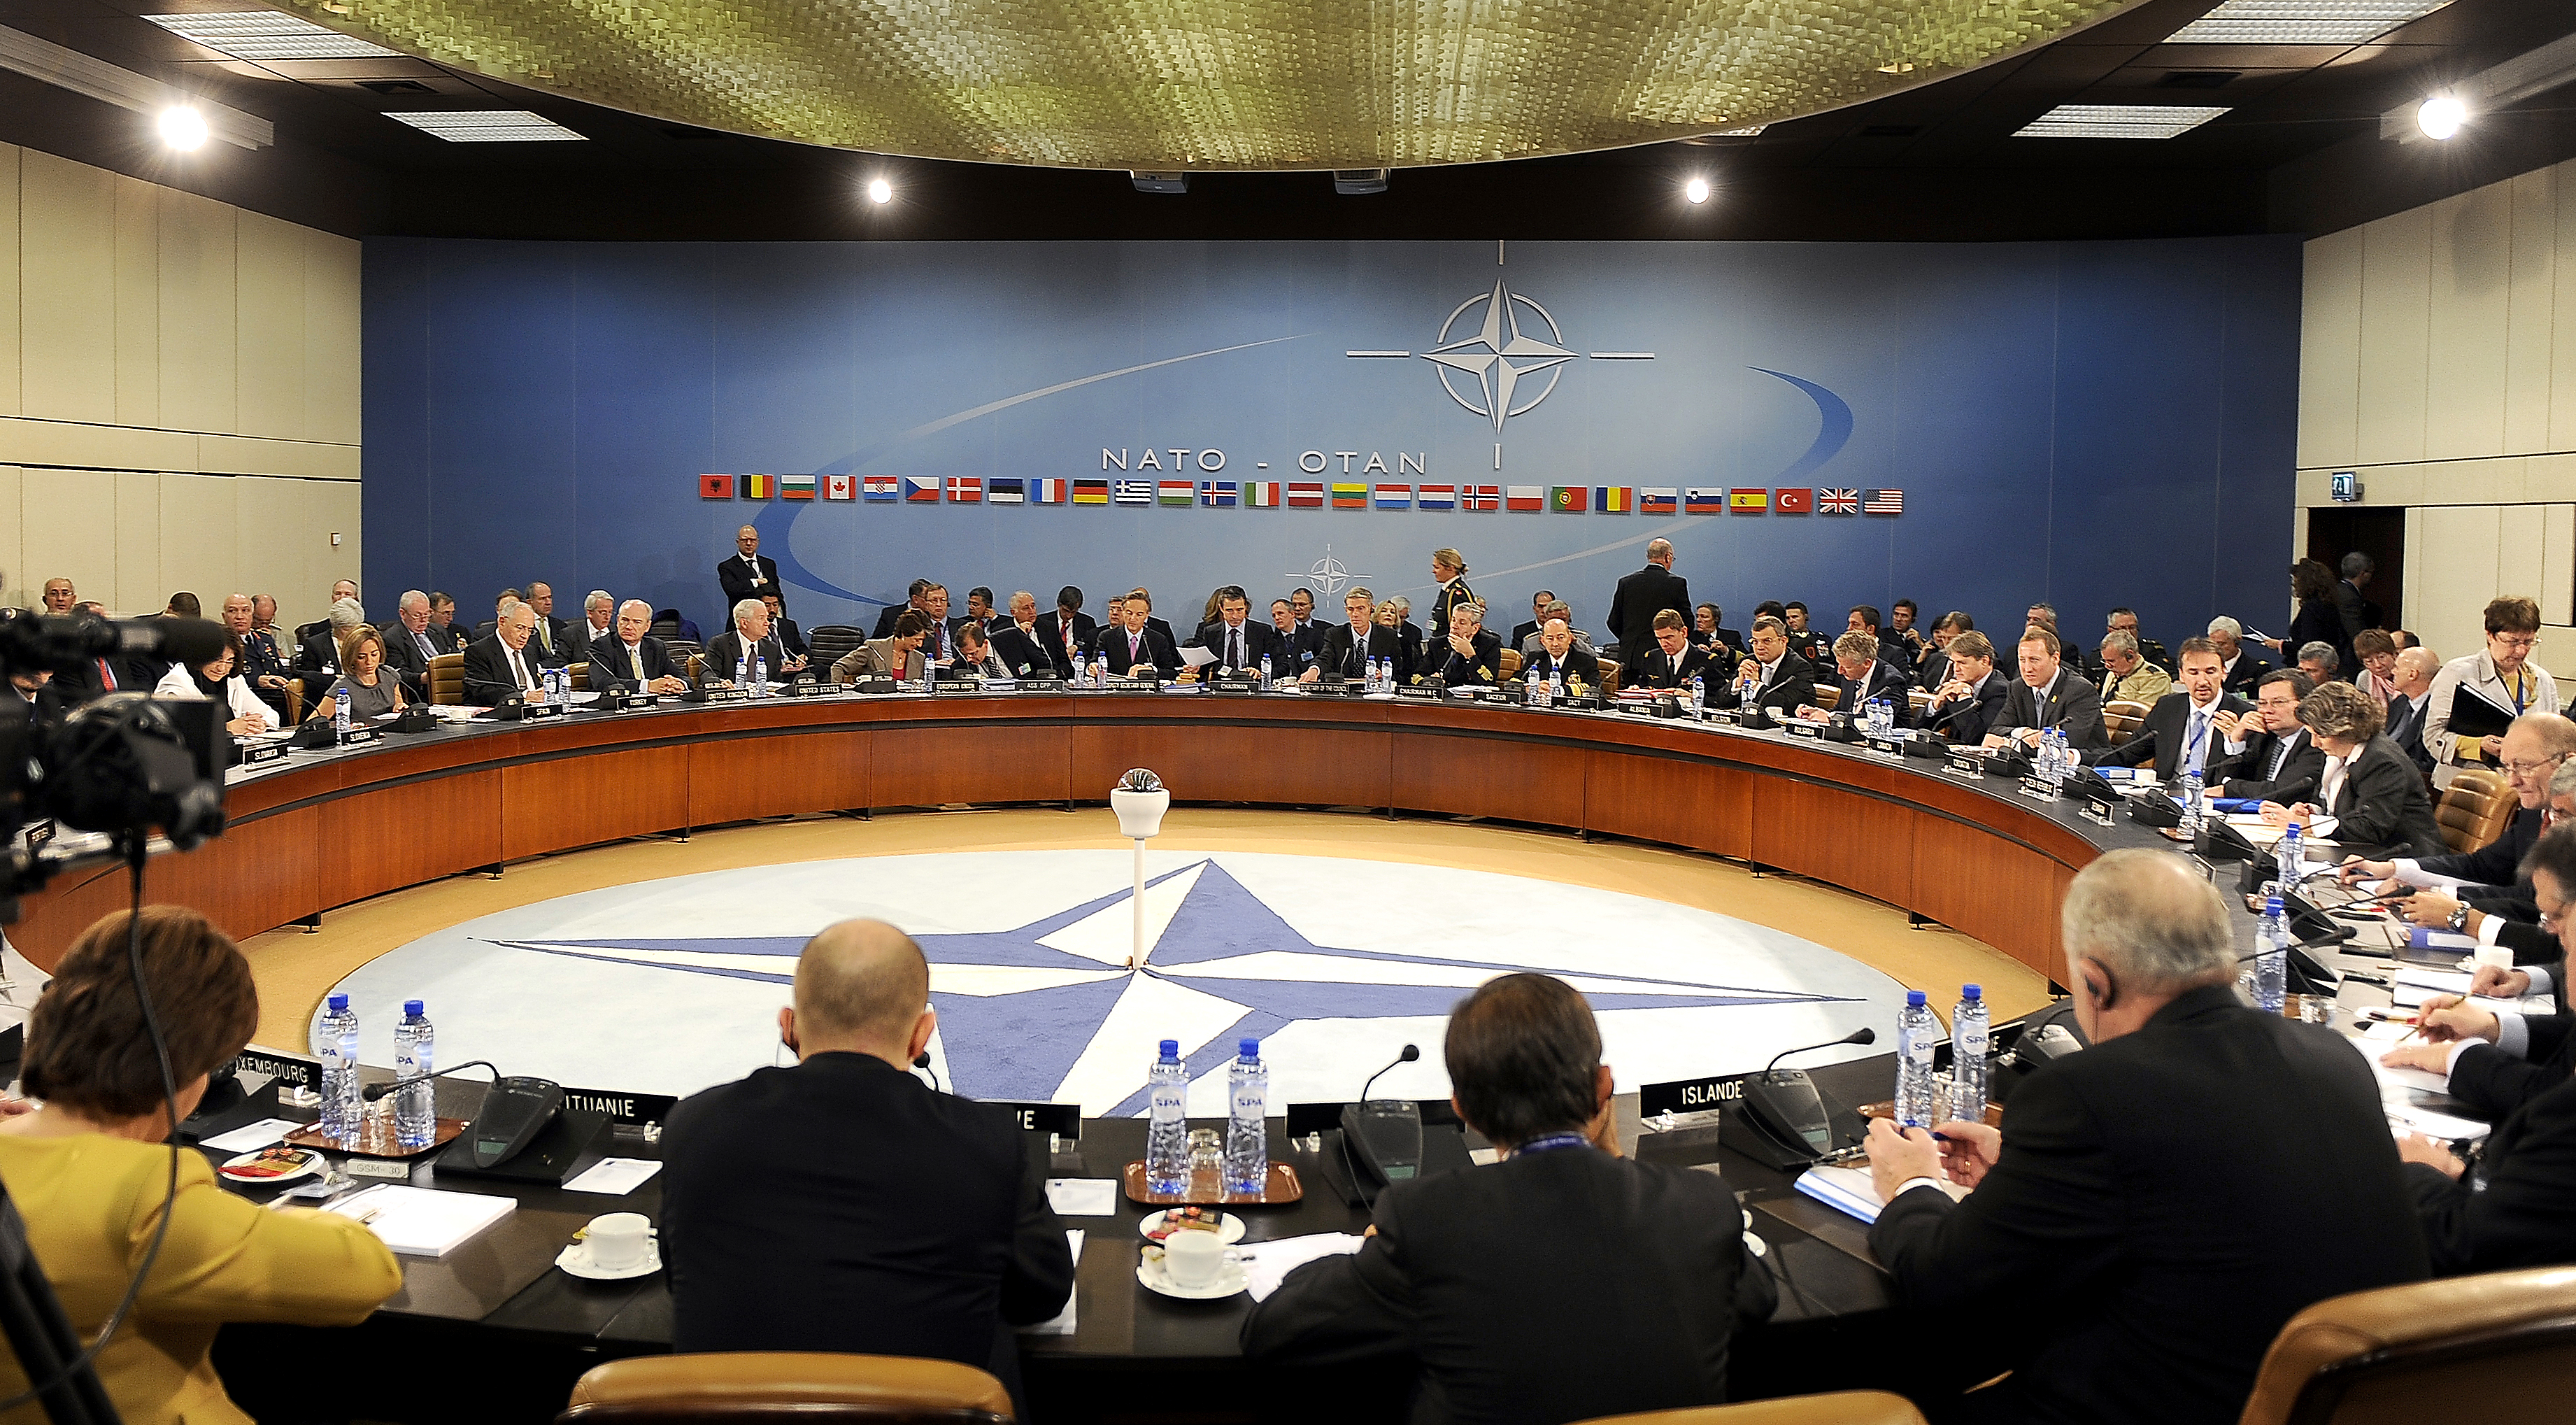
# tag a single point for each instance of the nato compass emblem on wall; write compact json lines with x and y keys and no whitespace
{"x":1500,"y":353}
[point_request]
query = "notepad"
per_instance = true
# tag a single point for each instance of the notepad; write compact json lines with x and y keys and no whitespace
{"x":615,"y":1177}
{"x":1852,"y":1191}
{"x":1267,"y":1264}
{"x":2449,"y":982}
{"x":1083,"y":1197}
{"x":252,"y":1136}
{"x":423,"y":1222}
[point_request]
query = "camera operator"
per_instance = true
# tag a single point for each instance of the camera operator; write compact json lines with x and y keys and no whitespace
{"x":218,"y":681}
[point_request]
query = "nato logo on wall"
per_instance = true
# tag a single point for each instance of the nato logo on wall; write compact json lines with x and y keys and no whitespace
{"x":1183,"y":415}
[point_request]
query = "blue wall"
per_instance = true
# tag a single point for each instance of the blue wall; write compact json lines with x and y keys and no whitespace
{"x":2093,"y":423}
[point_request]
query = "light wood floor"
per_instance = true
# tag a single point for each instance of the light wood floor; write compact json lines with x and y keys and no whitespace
{"x":296,"y":968}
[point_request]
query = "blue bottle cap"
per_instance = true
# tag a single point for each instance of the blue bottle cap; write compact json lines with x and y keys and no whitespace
{"x":1976,"y":992}
{"x":339,"y":1001}
{"x":1913,"y":999}
{"x":2272,"y":905}
{"x":1171,"y":1048}
{"x":1249,"y":1048}
{"x":411,"y":1009}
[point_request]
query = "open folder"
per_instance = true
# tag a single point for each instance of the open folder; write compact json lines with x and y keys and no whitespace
{"x":2474,"y":714}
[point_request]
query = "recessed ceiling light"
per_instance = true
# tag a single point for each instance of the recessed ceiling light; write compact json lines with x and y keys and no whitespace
{"x":266,"y":34}
{"x":2117,"y":121}
{"x":2441,"y":116}
{"x":880,"y":191}
{"x":184,"y":129}
{"x":488,"y":126}
{"x":1696,"y":190}
{"x":2302,"y":22}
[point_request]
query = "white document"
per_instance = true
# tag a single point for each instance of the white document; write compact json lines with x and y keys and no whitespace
{"x":615,"y":1177}
{"x":423,"y":1222}
{"x":2396,"y":1080}
{"x":1266,"y":1264}
{"x":2406,"y":1118}
{"x":1083,"y":1197}
{"x":1061,"y":1324}
{"x":1853,"y":1191}
{"x":2449,"y":982}
{"x":1193,"y":656}
{"x":252,"y":1137}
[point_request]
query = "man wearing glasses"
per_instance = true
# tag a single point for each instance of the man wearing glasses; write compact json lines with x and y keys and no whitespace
{"x":2503,"y":676}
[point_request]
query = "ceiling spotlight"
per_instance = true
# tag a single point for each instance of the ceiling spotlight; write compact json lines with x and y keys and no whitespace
{"x":880,"y":191}
{"x":1696,"y":190}
{"x":2441,"y":116}
{"x":183,"y":128}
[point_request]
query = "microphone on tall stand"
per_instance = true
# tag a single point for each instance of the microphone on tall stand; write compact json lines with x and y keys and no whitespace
{"x":1411,"y":1053}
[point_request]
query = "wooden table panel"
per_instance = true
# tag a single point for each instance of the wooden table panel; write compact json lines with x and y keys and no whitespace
{"x":1006,"y":761}
{"x":1209,"y":760}
{"x":1707,"y":806}
{"x":1468,"y":775}
{"x":1836,"y":834}
{"x":391,"y":837}
{"x":1982,"y":885}
{"x":600,"y":796}
{"x":739,"y":778}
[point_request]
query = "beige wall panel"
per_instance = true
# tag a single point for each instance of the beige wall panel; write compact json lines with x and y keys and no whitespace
{"x":33,"y":442}
{"x":2557,"y":653}
{"x":22,"y":587}
{"x":268,"y":319}
{"x":2562,"y":326}
{"x":2530,"y":308}
{"x":243,"y":455}
{"x":2330,"y":349}
{"x":67,"y":288}
{"x":2558,"y":563}
{"x":331,"y":317}
{"x":2396,"y":296}
{"x":138,"y":303}
{"x":9,"y":404}
{"x":69,"y":524}
{"x":138,"y":542}
{"x":2455,"y":574}
{"x":198,"y":344}
{"x":284,"y":538}
{"x":200,"y":547}
{"x":2497,"y":480}
{"x":2471,"y":279}
{"x":2550,"y":477}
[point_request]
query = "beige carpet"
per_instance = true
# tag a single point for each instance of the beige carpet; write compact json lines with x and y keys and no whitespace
{"x":295,"y":968}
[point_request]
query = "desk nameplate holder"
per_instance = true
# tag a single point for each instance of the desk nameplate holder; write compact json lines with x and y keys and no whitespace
{"x":1966,"y":765}
{"x":361,"y":736}
{"x":1813,"y":731}
{"x":1890,"y":745}
{"x":2035,"y":789}
{"x":266,"y":752}
{"x":954,"y":687}
{"x":642,"y":700}
{"x":529,"y":712}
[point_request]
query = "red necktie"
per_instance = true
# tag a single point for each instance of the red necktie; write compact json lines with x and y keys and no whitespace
{"x":106,"y":677}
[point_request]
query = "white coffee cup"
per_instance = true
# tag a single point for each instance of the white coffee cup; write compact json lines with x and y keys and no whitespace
{"x":2500,"y":956}
{"x":616,"y":1240}
{"x":1191,"y":1258}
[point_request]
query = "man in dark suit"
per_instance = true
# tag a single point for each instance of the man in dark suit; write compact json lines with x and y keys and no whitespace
{"x":340,"y":589}
{"x":1298,"y":643}
{"x":1805,"y":640}
{"x":409,"y":644}
{"x":553,"y":636}
{"x":2245,"y":667}
{"x":911,"y":600}
{"x":1863,"y":618}
{"x":1970,"y":702}
{"x":1558,"y":655}
{"x":2180,"y":731}
{"x":2148,"y":1259}
{"x":631,"y":660}
{"x":2049,"y":694}
{"x":1134,"y":647}
{"x":750,"y":634}
{"x":2413,"y":673}
{"x":1932,"y":669}
{"x":1348,"y":647}
{"x":501,"y":667}
{"x":1067,"y":633}
{"x":1903,"y":642}
{"x":317,"y":662}
{"x":1708,"y":629}
{"x":1781,"y":680}
{"x":2368,"y":793}
{"x":748,"y":572}
{"x":2269,"y":754}
{"x":444,"y":634}
{"x":1641,"y":596}
{"x":842,"y":1204}
{"x":1861,"y":675}
{"x":1506,"y":1287}
{"x":598,"y":625}
{"x":1470,"y":657}
{"x":1016,"y":641}
{"x":1523,"y":633}
{"x":262,"y":665}
{"x":940,"y":648}
{"x":1672,"y":660}
{"x":1236,"y":640}
{"x":2353,"y":613}
{"x":783,"y":628}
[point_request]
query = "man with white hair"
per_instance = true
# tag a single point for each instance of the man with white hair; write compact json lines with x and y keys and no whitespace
{"x":598,"y":624}
{"x":2244,"y":669}
{"x":2413,"y":673}
{"x":410,"y":644}
{"x":750,"y":637}
{"x":503,"y":666}
{"x":632,"y":660}
{"x":2167,"y":1190}
{"x":318,"y":661}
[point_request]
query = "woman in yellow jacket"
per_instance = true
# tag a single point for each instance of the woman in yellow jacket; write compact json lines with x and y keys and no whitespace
{"x":90,"y":1173}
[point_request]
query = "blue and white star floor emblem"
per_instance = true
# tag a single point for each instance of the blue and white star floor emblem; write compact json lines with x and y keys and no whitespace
{"x":673,"y":985}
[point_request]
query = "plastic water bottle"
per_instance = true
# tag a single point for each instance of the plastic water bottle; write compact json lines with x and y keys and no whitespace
{"x":1698,"y":696}
{"x":1969,"y":1037}
{"x":1100,"y":670}
{"x":2287,"y":858}
{"x":2272,"y":960}
{"x":335,"y":1043}
{"x":1247,"y":1134}
{"x":1167,"y":1137}
{"x":415,"y":1105}
{"x":1918,"y":1097}
{"x":759,"y":674}
{"x":1555,"y":686}
{"x":742,"y":670}
{"x":1265,"y":672}
{"x":340,"y":709}
{"x":2191,"y":808}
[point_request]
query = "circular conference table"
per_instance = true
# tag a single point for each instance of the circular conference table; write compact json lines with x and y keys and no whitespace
{"x":508,"y":1334}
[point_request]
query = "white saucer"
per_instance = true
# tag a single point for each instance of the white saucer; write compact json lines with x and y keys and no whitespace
{"x":1229,"y":1228}
{"x":1229,"y":1280}
{"x":575,"y":1259}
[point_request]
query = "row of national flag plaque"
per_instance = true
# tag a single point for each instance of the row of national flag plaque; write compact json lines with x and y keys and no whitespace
{"x":1307,"y":495}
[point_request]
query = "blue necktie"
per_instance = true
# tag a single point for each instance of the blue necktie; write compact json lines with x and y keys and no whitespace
{"x":2191,"y":744}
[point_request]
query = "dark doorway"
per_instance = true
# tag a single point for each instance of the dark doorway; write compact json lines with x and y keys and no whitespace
{"x":2380,"y":532}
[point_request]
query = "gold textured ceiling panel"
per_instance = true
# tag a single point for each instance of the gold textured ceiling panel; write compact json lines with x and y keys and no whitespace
{"x":1215,"y":84}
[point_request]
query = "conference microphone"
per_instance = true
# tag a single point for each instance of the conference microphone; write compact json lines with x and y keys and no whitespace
{"x":1862,"y":1035}
{"x":921,"y":1061}
{"x":372,"y":1092}
{"x":1411,"y":1053}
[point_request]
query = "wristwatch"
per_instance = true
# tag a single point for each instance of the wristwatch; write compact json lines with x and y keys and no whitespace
{"x":2460,"y":920}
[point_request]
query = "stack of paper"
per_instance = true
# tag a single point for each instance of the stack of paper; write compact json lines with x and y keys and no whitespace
{"x":1266,"y":1264}
{"x":1851,"y":1190}
{"x":423,"y":1222}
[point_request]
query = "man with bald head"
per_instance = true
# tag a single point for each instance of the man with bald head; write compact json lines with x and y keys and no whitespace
{"x":503,"y":666}
{"x":2413,"y":673}
{"x":842,"y":1204}
{"x":2168,"y":1191}
{"x":632,"y":660}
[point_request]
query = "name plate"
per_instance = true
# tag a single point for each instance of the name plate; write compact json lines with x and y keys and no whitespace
{"x":360,"y":736}
{"x":620,"y":1107}
{"x":1422,"y":690}
{"x":643,"y":700}
{"x":537,"y":710}
{"x":1799,"y":727}
{"x":727,"y":695}
{"x":1964,"y":762}
{"x":2035,"y":789}
{"x":285,"y":1068}
{"x":1135,"y":685}
{"x":1064,"y":1120}
{"x":947,"y":686}
{"x":1726,"y":717}
{"x":1040,"y":685}
{"x":800,"y":688}
{"x":1691,"y":1095}
{"x":264,"y":752}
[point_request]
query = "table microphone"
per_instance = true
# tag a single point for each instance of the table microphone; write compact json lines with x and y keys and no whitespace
{"x":1388,"y":1135}
{"x":1411,"y":1053}
{"x":1785,"y":1106}
{"x":372,"y":1092}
